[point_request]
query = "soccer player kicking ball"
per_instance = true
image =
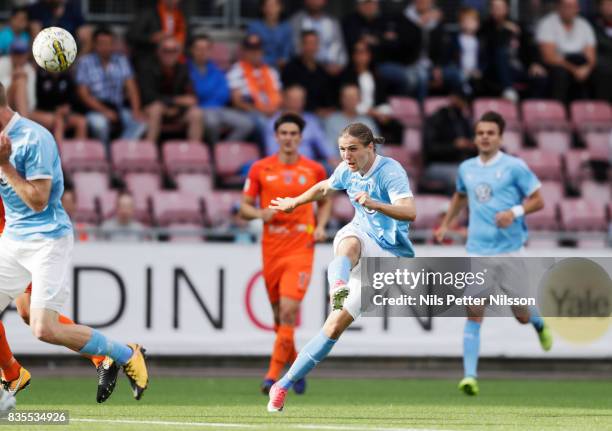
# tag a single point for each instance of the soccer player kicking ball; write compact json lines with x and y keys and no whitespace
{"x":500,"y":190}
{"x":37,"y":243}
{"x":288,"y":239}
{"x":379,"y":190}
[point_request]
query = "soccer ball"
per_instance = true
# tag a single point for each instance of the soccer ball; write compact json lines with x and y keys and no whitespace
{"x":54,"y":49}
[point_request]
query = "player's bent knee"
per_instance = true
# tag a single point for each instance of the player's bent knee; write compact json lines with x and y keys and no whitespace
{"x":43,"y":332}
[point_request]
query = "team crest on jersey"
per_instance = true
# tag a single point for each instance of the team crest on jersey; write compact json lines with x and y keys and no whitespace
{"x":302,"y":180}
{"x":483,"y":192}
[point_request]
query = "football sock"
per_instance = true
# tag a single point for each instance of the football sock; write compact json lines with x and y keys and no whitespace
{"x":535,"y":319}
{"x":98,"y":344}
{"x":281,"y":354}
{"x":471,"y":347}
{"x":10,"y":366}
{"x":339,"y":271}
{"x":97,"y":360}
{"x":314,"y":352}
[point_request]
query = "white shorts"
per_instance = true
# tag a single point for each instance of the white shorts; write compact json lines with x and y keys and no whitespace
{"x":45,"y":263}
{"x":369,"y":248}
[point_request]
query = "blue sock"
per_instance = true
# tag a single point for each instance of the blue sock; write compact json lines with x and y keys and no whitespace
{"x":314,"y":352}
{"x":535,"y":319}
{"x":339,"y":269}
{"x":99,"y":345}
{"x":471,"y":348}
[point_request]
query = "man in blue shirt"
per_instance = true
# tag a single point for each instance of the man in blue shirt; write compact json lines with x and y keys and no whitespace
{"x":500,"y":190}
{"x":37,"y":243}
{"x":379,"y":190}
{"x":213,"y":93}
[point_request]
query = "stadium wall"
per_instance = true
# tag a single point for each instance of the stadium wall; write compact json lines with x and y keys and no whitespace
{"x":183,"y":299}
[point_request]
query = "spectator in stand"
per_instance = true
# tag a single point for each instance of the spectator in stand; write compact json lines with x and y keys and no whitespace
{"x":447,"y":141}
{"x":350,"y":98}
{"x":66,"y":14}
{"x":19,"y":78}
{"x":124,"y":227}
{"x":431,"y":72}
{"x":17,"y":28}
{"x":307,"y":71}
{"x":603,"y":71}
{"x":167,"y":93}
{"x":467,"y":53}
{"x":276,"y":36}
{"x":255,"y":87}
{"x":56,"y":101}
{"x":313,"y":143}
{"x":213,"y":93}
{"x":331,"y":54}
{"x":365,"y":24}
{"x":154,"y":24}
{"x":567,"y":44}
{"x":373,"y":90}
{"x":511,"y":57}
{"x":104,"y":80}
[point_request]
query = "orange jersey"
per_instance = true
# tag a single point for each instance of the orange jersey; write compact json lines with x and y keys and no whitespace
{"x":268,"y":179}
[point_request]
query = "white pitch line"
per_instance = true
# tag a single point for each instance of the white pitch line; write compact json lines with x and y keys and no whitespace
{"x":230,"y":425}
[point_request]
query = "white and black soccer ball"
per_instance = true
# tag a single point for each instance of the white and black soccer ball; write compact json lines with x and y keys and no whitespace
{"x":7,"y":402}
{"x":54,"y":49}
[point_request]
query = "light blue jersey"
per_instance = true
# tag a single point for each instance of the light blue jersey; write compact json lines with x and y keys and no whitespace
{"x":35,"y":156}
{"x":501,"y":183}
{"x":386,"y":181}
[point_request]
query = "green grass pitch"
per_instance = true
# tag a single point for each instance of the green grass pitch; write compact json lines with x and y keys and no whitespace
{"x":329,"y":404}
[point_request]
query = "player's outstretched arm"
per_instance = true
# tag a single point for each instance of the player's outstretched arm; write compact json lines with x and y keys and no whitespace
{"x":315,"y":193}
{"x":34,"y":193}
{"x":458,"y":202}
{"x":403,"y":209}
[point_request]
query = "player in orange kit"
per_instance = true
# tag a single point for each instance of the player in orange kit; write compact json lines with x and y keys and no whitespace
{"x":288,"y":239}
{"x":15,"y":377}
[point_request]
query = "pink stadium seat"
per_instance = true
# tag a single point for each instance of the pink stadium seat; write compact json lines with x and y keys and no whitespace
{"x":231,"y":158}
{"x":412,"y":140}
{"x":108,"y":203}
{"x":433,"y":104}
{"x":597,"y":191}
{"x":553,"y":142}
{"x":143,"y":186}
{"x":543,"y":164}
{"x":545,"y":219}
{"x":186,"y":157}
{"x":429,"y":208}
{"x":576,"y":165}
{"x":87,"y":187}
{"x":506,"y":108}
{"x":185,"y":232}
{"x":583,"y":214}
{"x":176,"y":207}
{"x":599,"y":145}
{"x":591,"y":115}
{"x":342,"y":209}
{"x":84,"y":155}
{"x":219,"y":205}
{"x":134,"y":156}
{"x":222,"y":54}
{"x":552,"y":192}
{"x":513,"y":141}
{"x":197,"y":184}
{"x":407,"y":111}
{"x":410,"y":162}
{"x":544,"y":114}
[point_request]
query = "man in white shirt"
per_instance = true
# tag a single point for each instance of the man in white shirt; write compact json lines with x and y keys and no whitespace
{"x":567,"y":45}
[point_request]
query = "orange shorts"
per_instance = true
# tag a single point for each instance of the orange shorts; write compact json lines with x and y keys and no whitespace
{"x":29,"y":288}
{"x":287,"y":276}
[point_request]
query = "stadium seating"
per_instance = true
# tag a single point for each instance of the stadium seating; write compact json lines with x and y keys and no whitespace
{"x":84,"y":155}
{"x":88,"y":186}
{"x":143,"y":186}
{"x":429,"y":208}
{"x":599,"y":145}
{"x":176,"y":207}
{"x":433,"y":104}
{"x":407,"y":111}
{"x":591,"y":115}
{"x":342,"y":208}
{"x":553,"y":142}
{"x":583,"y":214}
{"x":231,"y":158}
{"x":197,"y":184}
{"x":544,"y":115}
{"x":552,"y":191}
{"x":222,"y":54}
{"x":108,"y":203}
{"x":542,"y":163}
{"x":598,"y":191}
{"x":512,"y":141}
{"x":185,"y":157}
{"x":576,"y":163}
{"x":219,"y":205}
{"x":506,"y":108}
{"x":134,"y":156}
{"x":412,"y":141}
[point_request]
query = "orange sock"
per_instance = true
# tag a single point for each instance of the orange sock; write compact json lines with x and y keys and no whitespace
{"x":8,"y":363}
{"x":96,"y":360}
{"x":283,"y":347}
